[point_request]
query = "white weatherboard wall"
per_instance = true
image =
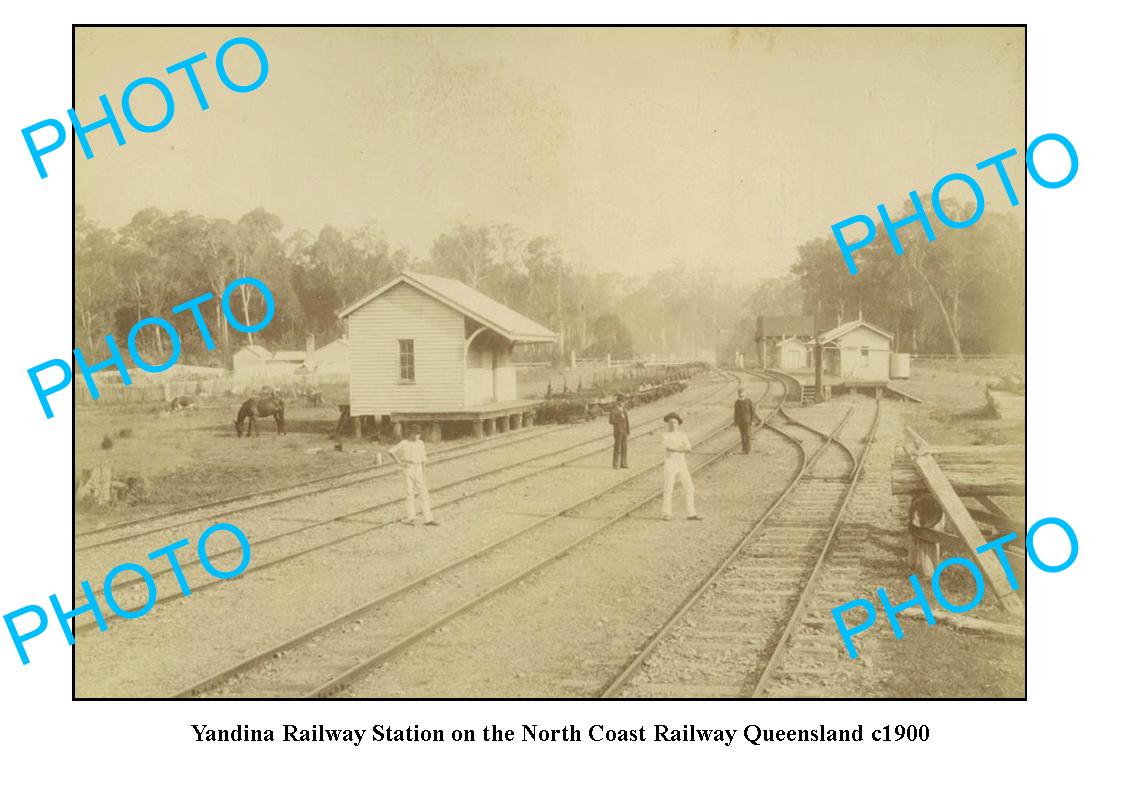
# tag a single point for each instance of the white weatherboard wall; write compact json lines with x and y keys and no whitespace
{"x":478,"y":379}
{"x":877,"y":369}
{"x":405,"y":313}
{"x":248,"y":363}
{"x":792,"y":355}
{"x":505,"y":376}
{"x":490,"y":373}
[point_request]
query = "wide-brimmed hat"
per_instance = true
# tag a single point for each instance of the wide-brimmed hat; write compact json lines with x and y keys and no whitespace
{"x":672,"y":416}
{"x":413,"y":428}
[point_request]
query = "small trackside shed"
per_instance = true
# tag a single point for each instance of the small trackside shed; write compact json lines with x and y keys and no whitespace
{"x":791,"y":354}
{"x":252,"y":360}
{"x":857,"y":351}
{"x":426,"y":348}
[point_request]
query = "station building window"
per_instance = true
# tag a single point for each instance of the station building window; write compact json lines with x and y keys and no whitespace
{"x":405,"y":360}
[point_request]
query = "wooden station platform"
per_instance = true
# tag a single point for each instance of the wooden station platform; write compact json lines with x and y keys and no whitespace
{"x":486,"y":419}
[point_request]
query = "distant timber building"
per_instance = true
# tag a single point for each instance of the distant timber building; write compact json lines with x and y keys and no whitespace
{"x":792,"y":354}
{"x":252,"y":360}
{"x":332,"y":359}
{"x":772,"y":330}
{"x":857,"y":351}
{"x":258,"y":361}
{"x":432,"y":350}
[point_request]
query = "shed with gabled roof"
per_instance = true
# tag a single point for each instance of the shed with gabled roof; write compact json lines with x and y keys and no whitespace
{"x":251,"y":360}
{"x":791,"y":353}
{"x":423,"y":345}
{"x":857,"y":351}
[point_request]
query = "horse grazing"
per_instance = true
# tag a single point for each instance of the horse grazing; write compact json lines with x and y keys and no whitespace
{"x":183,"y":402}
{"x":260,"y":407}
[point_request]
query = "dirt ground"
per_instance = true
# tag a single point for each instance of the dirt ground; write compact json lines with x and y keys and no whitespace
{"x":561,"y":632}
{"x":193,"y":457}
{"x":941,"y":660}
{"x":303,"y":592}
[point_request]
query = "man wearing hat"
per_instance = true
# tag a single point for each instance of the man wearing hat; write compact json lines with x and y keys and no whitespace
{"x":743,"y":419}
{"x":410,"y":454}
{"x":676,"y":444}
{"x":618,"y":417}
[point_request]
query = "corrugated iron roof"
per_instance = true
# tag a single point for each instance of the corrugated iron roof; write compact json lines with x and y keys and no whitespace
{"x":467,"y":301}
{"x":850,"y":326}
{"x":792,"y":341}
{"x":260,"y":351}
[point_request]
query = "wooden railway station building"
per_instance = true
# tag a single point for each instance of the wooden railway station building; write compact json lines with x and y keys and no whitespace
{"x":430,"y":350}
{"x":857,"y":352}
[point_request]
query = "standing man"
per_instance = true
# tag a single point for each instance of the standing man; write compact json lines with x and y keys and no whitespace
{"x":618,"y":417}
{"x":743,"y":419}
{"x":676,"y":444}
{"x":410,"y":455}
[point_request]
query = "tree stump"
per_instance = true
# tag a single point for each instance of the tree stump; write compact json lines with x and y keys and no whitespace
{"x":98,"y":487}
{"x":924,"y":514}
{"x":344,"y":420}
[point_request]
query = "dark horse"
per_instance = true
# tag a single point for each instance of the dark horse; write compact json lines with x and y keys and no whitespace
{"x":260,"y":407}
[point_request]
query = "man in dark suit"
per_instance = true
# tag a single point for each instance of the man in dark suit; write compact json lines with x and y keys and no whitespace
{"x":618,"y":417}
{"x":743,"y":419}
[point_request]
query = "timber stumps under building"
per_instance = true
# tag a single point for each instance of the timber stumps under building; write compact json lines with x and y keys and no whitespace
{"x":433,"y":351}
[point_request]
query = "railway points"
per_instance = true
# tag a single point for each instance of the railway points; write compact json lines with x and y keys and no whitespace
{"x":611,"y":503}
{"x":751,"y":627}
{"x":471,"y":485}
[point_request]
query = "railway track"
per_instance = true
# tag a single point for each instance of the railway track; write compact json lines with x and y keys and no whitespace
{"x":730,"y":636}
{"x":288,"y":543}
{"x":194,"y":515}
{"x":203,"y":512}
{"x":323,"y":661}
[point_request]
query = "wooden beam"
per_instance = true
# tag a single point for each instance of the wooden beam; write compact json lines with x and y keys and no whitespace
{"x":1004,"y":523}
{"x":990,"y":505}
{"x":972,"y":470}
{"x":969,"y":623}
{"x":955,"y":542}
{"x":963,"y":523}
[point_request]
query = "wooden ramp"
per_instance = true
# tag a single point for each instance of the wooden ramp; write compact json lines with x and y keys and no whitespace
{"x":963,"y":523}
{"x":898,"y":392}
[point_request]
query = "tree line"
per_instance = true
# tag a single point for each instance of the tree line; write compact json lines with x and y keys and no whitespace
{"x":963,"y":293}
{"x":158,"y":260}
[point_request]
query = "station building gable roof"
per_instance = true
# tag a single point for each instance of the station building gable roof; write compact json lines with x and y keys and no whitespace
{"x":792,"y":342}
{"x":290,"y":356}
{"x":258,"y":351}
{"x":849,"y":326}
{"x":468,"y":302}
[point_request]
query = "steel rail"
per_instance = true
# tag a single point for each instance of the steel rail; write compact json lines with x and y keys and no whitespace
{"x":172,"y":596}
{"x":242,"y":666}
{"x":124,"y":583}
{"x":796,"y":617}
{"x":653,"y":641}
{"x":347,"y":677}
{"x":455,"y":452}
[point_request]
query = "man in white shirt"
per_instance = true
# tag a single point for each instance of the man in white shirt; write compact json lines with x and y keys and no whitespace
{"x":676,"y":444}
{"x":410,"y":454}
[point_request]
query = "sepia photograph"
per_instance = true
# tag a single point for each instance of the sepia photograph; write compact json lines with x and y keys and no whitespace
{"x":550,"y":363}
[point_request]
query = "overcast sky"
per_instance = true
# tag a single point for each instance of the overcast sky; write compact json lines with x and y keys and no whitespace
{"x":632,"y":147}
